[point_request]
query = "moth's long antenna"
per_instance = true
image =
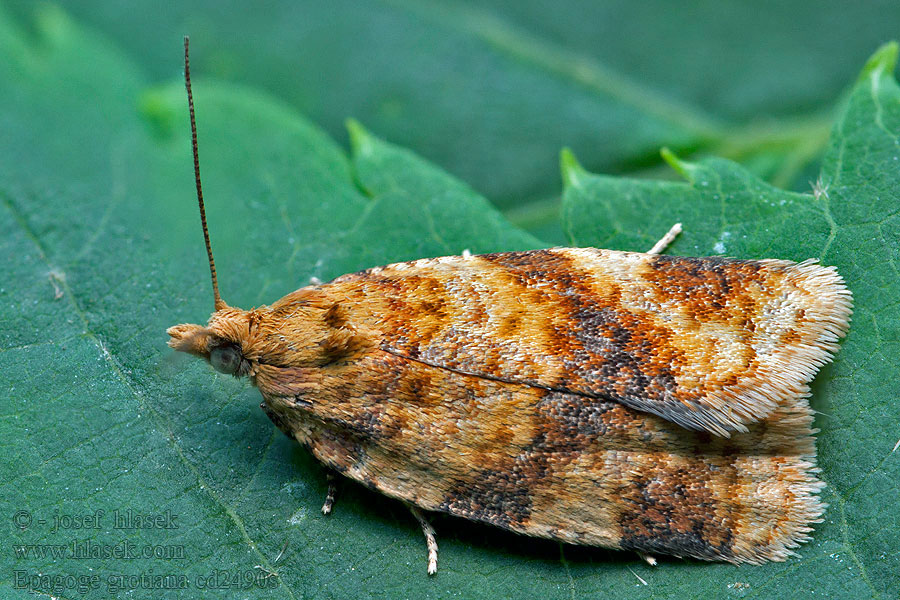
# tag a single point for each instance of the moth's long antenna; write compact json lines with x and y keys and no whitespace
{"x":219,"y":303}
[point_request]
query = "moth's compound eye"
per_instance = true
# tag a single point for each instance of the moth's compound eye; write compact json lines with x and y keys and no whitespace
{"x":225,"y":359}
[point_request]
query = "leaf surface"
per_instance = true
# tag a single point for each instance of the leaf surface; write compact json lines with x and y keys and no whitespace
{"x":96,"y":198}
{"x":491,"y":90}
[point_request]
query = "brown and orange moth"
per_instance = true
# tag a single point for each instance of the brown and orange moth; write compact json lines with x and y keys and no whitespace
{"x":617,"y":399}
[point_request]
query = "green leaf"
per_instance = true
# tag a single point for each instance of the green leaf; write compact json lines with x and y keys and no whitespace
{"x":452,"y":82}
{"x":491,"y":90}
{"x":97,"y":214}
{"x":850,"y":220}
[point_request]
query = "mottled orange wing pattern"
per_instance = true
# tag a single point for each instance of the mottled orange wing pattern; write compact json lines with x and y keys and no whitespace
{"x":615,"y":399}
{"x":708,"y":343}
{"x":568,"y":393}
{"x":549,"y":464}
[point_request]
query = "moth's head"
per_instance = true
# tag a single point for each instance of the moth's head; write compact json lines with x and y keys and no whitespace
{"x":303,"y":329}
{"x":222,"y":342}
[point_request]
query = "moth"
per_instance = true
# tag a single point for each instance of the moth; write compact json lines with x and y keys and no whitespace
{"x":617,"y":399}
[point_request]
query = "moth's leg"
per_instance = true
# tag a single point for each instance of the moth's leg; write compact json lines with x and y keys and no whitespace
{"x":430,"y":540}
{"x":331,"y":478}
{"x":666,"y":239}
{"x":648,"y":558}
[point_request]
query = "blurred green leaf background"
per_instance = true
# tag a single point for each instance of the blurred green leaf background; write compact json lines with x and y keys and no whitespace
{"x":491,"y":90}
{"x":475,"y":99}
